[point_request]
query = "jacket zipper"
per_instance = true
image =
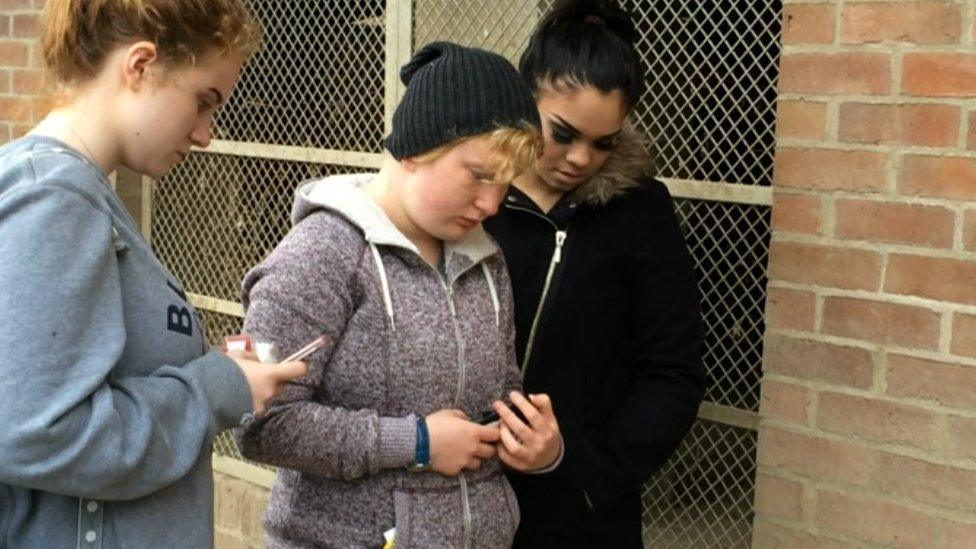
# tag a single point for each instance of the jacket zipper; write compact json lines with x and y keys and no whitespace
{"x":462,"y":375}
{"x":557,"y":256}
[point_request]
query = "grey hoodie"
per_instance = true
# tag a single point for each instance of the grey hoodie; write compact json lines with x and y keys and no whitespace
{"x":108,"y":403}
{"x":404,"y":340}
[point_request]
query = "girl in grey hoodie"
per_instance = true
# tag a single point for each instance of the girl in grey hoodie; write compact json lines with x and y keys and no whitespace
{"x":415,"y":302}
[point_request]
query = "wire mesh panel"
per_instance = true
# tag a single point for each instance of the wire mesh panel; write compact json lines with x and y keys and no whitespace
{"x":729,"y":244}
{"x":703,"y":496}
{"x":712,"y":70}
{"x":319,"y":80}
{"x":216,"y":216}
{"x":503,"y":26}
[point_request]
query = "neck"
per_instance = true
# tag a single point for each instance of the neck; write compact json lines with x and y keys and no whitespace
{"x":384,"y":189}
{"x":535,"y":188}
{"x":84,"y":125}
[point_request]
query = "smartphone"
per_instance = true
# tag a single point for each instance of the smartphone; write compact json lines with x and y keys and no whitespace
{"x":491,"y":416}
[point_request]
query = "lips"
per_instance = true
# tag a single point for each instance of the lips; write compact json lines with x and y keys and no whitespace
{"x":468,"y":223}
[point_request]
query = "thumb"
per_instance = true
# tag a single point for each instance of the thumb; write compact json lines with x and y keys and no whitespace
{"x":290,"y":370}
{"x":488,"y":434}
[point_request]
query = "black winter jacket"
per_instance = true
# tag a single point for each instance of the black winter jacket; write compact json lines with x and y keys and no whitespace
{"x":616,"y":343}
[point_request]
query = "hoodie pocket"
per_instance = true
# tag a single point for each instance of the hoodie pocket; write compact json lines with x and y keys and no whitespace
{"x":431,"y":519}
{"x":434,"y":517}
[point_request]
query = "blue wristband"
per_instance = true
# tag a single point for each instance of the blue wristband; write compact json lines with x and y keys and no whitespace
{"x":421,"y":453}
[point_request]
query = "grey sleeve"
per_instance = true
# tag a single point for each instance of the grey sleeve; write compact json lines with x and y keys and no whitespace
{"x":306,"y":288}
{"x":70,"y":426}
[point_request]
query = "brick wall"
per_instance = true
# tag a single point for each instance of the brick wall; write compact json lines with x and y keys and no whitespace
{"x":238,"y":506}
{"x":868,"y":433}
{"x":21,"y":105}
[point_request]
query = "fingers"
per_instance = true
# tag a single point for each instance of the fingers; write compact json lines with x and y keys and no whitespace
{"x":287,"y":371}
{"x":244,"y":355}
{"x":509,"y":441}
{"x":527,"y":408}
{"x":485,"y":451}
{"x":543,"y":403}
{"x":487,"y":433}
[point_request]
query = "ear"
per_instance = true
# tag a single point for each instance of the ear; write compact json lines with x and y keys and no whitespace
{"x":408,"y":164}
{"x":139,"y":57}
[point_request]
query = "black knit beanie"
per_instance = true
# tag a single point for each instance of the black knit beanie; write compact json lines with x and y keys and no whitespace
{"x":454,"y":92}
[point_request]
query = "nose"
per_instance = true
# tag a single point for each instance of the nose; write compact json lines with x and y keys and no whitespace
{"x":490,"y":198}
{"x":201,"y":134}
{"x":579,"y":155}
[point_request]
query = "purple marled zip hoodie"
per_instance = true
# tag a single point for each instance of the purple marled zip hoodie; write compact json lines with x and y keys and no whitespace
{"x":403,"y":341}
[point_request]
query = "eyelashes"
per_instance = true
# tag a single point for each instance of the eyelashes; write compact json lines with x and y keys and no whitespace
{"x":564,"y":137}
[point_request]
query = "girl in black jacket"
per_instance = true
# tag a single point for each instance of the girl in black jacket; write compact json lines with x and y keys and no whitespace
{"x":606,"y":303}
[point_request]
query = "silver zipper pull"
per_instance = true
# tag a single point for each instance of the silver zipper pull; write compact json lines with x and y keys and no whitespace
{"x":560,"y":239}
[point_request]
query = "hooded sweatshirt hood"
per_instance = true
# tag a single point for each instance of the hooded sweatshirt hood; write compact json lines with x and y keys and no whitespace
{"x":344,"y":194}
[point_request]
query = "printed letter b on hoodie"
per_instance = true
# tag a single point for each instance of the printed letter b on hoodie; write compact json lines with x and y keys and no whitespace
{"x":179,"y":319}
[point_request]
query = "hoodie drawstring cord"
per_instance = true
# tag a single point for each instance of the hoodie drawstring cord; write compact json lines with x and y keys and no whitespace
{"x":387,"y":300}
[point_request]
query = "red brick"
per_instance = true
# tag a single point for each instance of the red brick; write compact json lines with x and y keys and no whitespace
{"x":790,"y":309}
{"x":4,"y":81}
{"x":829,"y":266}
{"x":801,"y":119}
{"x":5,"y":134}
{"x":874,"y":520}
{"x":835,"y":73}
{"x":961,"y":438}
{"x":814,"y":457}
{"x":769,"y":535}
{"x":880,"y":322}
{"x":971,"y":135}
{"x":938,"y":177}
{"x":796,"y":213}
{"x":808,"y":24}
{"x":818,"y":361}
{"x":922,"y":125}
{"x":932,"y":277}
{"x":900,"y":223}
{"x":963,"y":335}
{"x":958,"y":535}
{"x":779,"y":496}
{"x":969,"y":230}
{"x":916,"y":22}
{"x":939,"y":74}
{"x":25,"y":25}
{"x":830,"y":169}
{"x":20,"y":130}
{"x":948,"y":384}
{"x":16,"y":110}
{"x":27,"y":82}
{"x":10,"y":5}
{"x":14,"y":54}
{"x":877,"y":420}
{"x":925,"y":482}
{"x":4,"y":26}
{"x":784,"y":402}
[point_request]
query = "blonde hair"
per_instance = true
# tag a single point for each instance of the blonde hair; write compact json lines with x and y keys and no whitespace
{"x":77,"y":35}
{"x":511,"y":150}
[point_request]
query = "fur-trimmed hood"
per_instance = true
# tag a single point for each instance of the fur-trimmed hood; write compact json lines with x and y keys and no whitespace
{"x":627,"y":164}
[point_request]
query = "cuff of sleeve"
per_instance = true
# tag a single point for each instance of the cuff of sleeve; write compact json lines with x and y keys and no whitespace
{"x":225,"y":386}
{"x":398,"y":441}
{"x":552,"y":467}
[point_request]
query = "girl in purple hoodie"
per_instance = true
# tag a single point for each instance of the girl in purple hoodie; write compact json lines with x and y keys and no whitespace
{"x":415,"y":301}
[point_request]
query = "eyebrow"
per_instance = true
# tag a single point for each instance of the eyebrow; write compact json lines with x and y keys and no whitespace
{"x":220,"y":96}
{"x":576,"y":133}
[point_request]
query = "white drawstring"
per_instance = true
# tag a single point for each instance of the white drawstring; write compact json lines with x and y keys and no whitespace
{"x":494,"y":293}
{"x":387,"y":300}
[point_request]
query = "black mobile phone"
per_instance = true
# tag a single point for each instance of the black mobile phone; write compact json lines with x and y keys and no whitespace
{"x":491,"y":416}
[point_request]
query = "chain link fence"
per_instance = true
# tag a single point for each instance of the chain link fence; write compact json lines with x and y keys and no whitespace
{"x":315,"y":100}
